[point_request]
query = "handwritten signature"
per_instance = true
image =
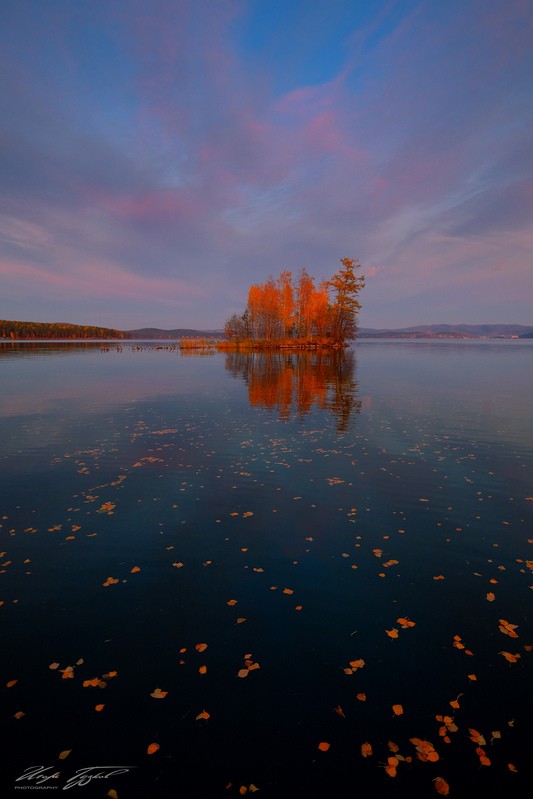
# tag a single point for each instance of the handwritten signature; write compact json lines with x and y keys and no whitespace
{"x":40,"y":775}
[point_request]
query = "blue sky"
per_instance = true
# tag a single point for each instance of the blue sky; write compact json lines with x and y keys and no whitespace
{"x":159,"y":156}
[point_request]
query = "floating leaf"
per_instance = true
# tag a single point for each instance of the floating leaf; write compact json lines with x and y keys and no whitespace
{"x":242,"y":673}
{"x":366,"y":749}
{"x":231,"y":602}
{"x":159,"y":694}
{"x":99,"y":708}
{"x":152,"y":749}
{"x":361,"y":697}
{"x":11,"y":683}
{"x":508,"y":629}
{"x":324,"y":746}
{"x":200,"y":647}
{"x":65,"y":753}
{"x":476,"y":737}
{"x":441,"y":786}
{"x":392,"y":633}
{"x":425,"y":750}
{"x":509,"y":657}
{"x":203,"y":669}
{"x":397,"y":710}
{"x":390,"y":768}
{"x":405,"y":623}
{"x":203,"y":715}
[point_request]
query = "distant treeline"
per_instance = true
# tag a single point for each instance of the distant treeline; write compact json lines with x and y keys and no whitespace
{"x":55,"y":330}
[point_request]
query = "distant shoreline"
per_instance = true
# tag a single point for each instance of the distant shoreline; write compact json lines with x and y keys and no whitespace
{"x":55,"y":331}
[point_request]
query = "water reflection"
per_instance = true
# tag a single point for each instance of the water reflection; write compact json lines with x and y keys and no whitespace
{"x":297,"y":382}
{"x":22,"y":349}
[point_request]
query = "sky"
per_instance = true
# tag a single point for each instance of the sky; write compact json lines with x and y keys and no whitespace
{"x":157,"y":157}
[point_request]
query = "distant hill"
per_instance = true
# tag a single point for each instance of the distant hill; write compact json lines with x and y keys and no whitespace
{"x":450,"y":331}
{"x":181,"y":332}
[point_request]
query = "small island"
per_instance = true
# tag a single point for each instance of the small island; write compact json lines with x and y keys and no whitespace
{"x":281,"y":314}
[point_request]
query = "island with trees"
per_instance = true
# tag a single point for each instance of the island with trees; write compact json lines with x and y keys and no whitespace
{"x":283,"y":313}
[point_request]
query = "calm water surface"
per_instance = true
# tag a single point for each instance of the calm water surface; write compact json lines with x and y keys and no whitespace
{"x":236,"y":530}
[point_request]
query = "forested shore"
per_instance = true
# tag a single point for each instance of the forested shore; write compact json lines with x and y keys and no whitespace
{"x":56,"y":330}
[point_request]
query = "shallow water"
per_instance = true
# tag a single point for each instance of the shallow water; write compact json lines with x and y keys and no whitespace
{"x":329,"y":496}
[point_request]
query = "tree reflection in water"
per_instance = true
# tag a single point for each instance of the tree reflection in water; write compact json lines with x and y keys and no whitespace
{"x":295,"y":383}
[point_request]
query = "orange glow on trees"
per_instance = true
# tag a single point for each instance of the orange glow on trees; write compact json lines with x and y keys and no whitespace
{"x":280,"y":313}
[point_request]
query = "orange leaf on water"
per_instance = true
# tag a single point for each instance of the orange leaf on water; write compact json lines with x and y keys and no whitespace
{"x":99,"y":708}
{"x":366,"y":749}
{"x":203,"y":715}
{"x":361,"y":697}
{"x":158,"y":693}
{"x":397,"y":710}
{"x":509,"y":657}
{"x":476,"y":737}
{"x":441,"y":786}
{"x":152,"y":749}
{"x":392,"y":633}
{"x":405,"y":622}
{"x":65,"y":753}
{"x":200,"y":647}
{"x":324,"y":746}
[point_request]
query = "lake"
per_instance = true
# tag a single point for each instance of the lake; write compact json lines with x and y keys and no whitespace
{"x":306,"y":574}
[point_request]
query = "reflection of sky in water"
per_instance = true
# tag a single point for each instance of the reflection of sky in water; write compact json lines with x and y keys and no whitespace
{"x":94,"y":380}
{"x":352,"y":482}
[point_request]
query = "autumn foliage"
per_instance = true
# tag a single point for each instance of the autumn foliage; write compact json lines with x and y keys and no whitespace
{"x":283,"y":312}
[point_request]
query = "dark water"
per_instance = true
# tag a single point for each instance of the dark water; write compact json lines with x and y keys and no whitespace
{"x":329,"y":496}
